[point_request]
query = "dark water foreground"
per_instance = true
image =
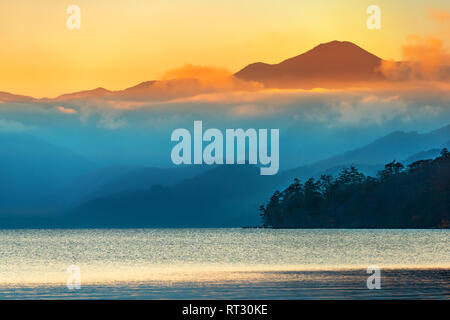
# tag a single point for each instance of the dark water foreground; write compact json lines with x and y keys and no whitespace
{"x":395,"y":284}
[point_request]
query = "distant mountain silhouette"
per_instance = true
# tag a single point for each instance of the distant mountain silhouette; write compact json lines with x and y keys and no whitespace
{"x":39,"y":178}
{"x":335,"y":64}
{"x":220,"y":196}
{"x":329,"y":64}
{"x":332,"y":64}
{"x":8,"y":97}
{"x":428,"y":154}
{"x":402,"y":146}
{"x":106,"y":181}
{"x":224,"y":196}
{"x":95,"y":93}
{"x":154,"y":90}
{"x":397,"y":145}
{"x":161,"y":90}
{"x":32,"y":171}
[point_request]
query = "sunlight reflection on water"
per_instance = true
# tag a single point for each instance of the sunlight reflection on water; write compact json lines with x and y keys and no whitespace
{"x":281,"y":263}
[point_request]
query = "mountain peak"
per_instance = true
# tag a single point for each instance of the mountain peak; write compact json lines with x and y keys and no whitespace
{"x":341,"y":47}
{"x":335,"y":44}
{"x":330,"y":64}
{"x":97,"y":92}
{"x":334,"y":64}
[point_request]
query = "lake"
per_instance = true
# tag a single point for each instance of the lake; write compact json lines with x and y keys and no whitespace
{"x":224,"y":263}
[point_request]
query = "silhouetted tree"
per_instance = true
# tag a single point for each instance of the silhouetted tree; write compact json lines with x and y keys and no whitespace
{"x":351,"y":176}
{"x":391,"y":169}
{"x":416,"y":197}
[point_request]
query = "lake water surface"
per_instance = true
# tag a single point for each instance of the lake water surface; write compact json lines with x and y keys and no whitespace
{"x":224,"y":263}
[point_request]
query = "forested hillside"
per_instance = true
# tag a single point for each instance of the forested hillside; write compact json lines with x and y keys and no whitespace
{"x":416,"y":196}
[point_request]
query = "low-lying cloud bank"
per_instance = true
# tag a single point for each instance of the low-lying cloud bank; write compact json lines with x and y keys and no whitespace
{"x":313,"y":124}
{"x":330,"y":108}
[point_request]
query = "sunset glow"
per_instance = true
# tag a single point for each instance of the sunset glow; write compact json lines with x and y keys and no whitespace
{"x":122,"y":43}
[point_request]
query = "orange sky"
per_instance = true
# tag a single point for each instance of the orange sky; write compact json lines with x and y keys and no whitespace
{"x":124,"y":42}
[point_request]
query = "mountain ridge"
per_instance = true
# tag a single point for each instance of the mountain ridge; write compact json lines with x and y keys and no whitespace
{"x":327,"y":64}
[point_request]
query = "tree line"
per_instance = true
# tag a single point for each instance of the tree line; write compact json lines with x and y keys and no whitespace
{"x":412,"y":196}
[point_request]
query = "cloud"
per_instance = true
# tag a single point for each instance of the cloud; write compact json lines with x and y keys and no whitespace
{"x":423,"y":59}
{"x":67,"y":110}
{"x":208,"y":78}
{"x":440,"y":15}
{"x":189,"y":71}
{"x":400,"y":102}
{"x":429,"y":52}
{"x":111,"y":121}
{"x":11,"y":126}
{"x":365,"y":112}
{"x":329,"y":109}
{"x":252,"y":110}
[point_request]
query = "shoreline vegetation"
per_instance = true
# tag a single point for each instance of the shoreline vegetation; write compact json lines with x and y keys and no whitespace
{"x":413,"y":197}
